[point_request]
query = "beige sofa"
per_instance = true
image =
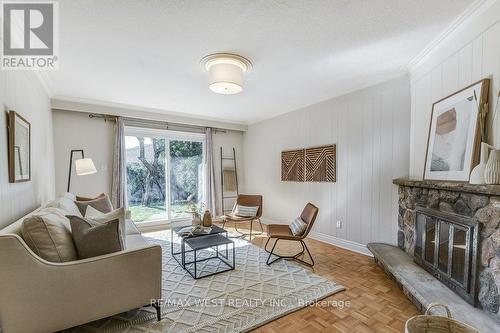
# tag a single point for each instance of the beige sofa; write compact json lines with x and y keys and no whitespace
{"x":41,"y":296}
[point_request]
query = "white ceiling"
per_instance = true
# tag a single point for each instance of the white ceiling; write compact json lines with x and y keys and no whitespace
{"x":146,"y":53}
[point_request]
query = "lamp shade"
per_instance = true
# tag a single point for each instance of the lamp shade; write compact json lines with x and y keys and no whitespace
{"x":225,"y":72}
{"x":225,"y":78}
{"x":85,"y":166}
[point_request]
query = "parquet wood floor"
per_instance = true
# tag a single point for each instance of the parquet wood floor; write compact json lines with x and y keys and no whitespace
{"x":376,"y":302}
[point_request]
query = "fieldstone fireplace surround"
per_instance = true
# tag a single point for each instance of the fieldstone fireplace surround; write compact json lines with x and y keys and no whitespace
{"x":477,"y":203}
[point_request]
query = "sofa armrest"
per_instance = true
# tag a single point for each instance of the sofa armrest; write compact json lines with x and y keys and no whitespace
{"x":61,"y":295}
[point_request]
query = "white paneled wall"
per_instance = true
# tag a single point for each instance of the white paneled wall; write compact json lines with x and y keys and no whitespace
{"x":75,"y":130}
{"x":371,"y":130}
{"x":228,"y":141}
{"x":467,"y":55}
{"x":21,"y":91}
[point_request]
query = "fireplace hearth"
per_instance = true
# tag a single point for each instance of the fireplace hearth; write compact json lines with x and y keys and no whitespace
{"x":447,"y":247}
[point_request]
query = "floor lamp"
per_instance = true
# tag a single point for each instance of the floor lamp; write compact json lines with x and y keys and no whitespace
{"x":83,"y":166}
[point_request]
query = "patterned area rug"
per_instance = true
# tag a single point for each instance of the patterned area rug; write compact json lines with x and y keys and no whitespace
{"x":235,"y":301}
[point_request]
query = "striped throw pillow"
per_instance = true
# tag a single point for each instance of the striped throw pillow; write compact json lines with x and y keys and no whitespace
{"x":246,"y":211}
{"x":298,"y":227}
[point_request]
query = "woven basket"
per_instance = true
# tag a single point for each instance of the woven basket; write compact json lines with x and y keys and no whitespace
{"x":436,"y":324}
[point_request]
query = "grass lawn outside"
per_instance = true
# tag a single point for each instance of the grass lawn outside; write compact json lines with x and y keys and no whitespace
{"x":158,"y":212}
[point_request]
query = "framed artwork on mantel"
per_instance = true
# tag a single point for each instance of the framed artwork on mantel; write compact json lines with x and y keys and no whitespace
{"x":19,"y":148}
{"x":455,"y":134}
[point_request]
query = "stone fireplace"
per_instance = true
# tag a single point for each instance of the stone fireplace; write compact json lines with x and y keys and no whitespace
{"x":462,"y":223}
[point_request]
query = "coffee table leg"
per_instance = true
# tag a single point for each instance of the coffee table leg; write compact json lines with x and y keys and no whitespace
{"x":183,"y":254}
{"x":172,"y":241}
{"x":234,"y":256}
{"x":195,"y":275}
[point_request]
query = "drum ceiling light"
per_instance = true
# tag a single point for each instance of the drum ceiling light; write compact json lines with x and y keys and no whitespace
{"x":225,"y":72}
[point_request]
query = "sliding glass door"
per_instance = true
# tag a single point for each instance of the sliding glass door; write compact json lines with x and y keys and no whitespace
{"x":186,"y":176}
{"x":165,"y":174}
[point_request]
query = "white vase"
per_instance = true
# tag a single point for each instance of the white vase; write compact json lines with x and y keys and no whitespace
{"x":477,"y":174}
{"x":495,"y":124}
{"x":196,"y":219}
{"x":492,"y":170}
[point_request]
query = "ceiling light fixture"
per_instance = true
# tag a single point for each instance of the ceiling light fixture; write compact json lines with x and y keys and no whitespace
{"x":225,"y":72}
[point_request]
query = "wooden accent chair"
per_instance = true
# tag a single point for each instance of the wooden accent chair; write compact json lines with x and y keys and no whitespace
{"x":246,"y":200}
{"x":282,"y":232}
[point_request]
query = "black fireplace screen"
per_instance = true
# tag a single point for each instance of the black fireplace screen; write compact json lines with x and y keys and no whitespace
{"x":446,"y":247}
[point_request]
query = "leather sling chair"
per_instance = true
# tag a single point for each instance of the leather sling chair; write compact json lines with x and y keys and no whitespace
{"x":246,"y":200}
{"x":282,"y":232}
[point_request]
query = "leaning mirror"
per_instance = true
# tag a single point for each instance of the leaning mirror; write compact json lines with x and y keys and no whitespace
{"x":229,"y":184}
{"x":19,"y":148}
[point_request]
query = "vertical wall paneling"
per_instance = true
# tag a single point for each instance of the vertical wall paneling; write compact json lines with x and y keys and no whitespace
{"x":450,"y":75}
{"x":371,"y":130}
{"x":477,"y":58}
{"x":376,"y":170}
{"x":21,"y":91}
{"x":467,"y":55}
{"x":367,"y":167}
{"x":465,"y":65}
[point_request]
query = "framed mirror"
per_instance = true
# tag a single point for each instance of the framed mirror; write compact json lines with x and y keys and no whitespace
{"x":19,"y":142}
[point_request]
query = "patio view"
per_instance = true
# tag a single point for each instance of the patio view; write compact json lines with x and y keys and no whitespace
{"x":164,"y":177}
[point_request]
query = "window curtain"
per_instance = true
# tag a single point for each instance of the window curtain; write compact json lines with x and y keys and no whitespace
{"x":211,"y":197}
{"x":119,"y":180}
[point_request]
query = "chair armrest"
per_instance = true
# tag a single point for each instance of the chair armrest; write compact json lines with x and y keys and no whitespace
{"x":60,"y":295}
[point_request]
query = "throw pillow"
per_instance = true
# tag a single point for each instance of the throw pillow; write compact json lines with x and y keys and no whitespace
{"x":48,"y":234}
{"x":101,"y":203}
{"x":96,"y":217}
{"x":66,"y":203}
{"x":95,"y":240}
{"x":298,"y":227}
{"x":246,"y":211}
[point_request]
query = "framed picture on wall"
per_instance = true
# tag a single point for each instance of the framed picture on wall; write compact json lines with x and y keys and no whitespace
{"x":454,"y":134}
{"x":320,"y":164}
{"x":292,"y":165}
{"x":19,"y":148}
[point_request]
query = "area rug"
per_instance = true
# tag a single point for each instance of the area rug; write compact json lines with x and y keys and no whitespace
{"x":235,"y":301}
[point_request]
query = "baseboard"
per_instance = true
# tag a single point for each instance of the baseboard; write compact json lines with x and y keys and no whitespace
{"x":343,"y":243}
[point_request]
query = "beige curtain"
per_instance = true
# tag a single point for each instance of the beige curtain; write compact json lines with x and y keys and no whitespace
{"x":119,"y":180}
{"x":211,"y":195}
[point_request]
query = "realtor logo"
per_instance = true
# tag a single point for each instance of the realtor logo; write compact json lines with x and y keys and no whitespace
{"x":30,"y":35}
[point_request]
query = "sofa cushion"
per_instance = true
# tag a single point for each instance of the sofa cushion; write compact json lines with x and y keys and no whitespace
{"x":66,"y":203}
{"x":47,"y":233}
{"x":92,"y":239}
{"x":130,"y":228}
{"x":96,"y":217}
{"x":136,"y":242}
{"x":101,"y":203}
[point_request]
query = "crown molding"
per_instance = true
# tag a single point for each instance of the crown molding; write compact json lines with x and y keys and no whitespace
{"x":476,"y":7}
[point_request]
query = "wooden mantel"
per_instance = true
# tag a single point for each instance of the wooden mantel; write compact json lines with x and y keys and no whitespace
{"x":449,"y":186}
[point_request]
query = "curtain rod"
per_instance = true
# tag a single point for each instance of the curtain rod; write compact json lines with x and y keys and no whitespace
{"x":167,"y":124}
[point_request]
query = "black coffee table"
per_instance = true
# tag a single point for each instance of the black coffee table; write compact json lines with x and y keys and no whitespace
{"x":217,"y":237}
